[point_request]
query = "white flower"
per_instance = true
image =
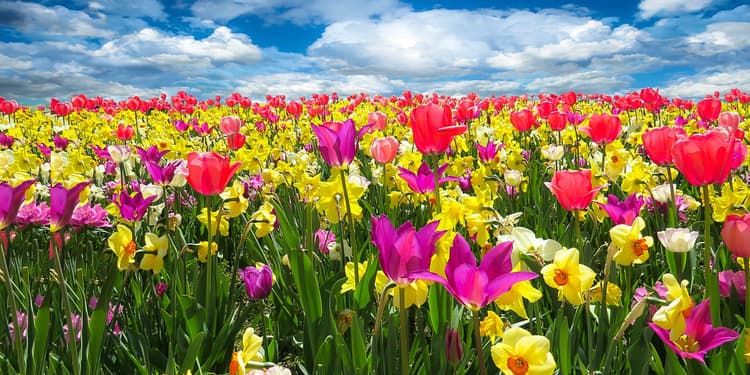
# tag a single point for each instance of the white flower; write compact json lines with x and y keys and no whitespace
{"x":513,"y":177}
{"x":661,"y":193}
{"x":678,"y":240}
{"x":119,"y":153}
{"x":553,"y":152}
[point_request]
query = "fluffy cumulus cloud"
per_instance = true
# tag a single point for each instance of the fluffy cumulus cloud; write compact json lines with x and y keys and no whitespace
{"x":294,"y":85}
{"x":651,"y":8}
{"x":33,"y":18}
{"x":699,"y":85}
{"x":720,"y":38}
{"x":296,"y":11}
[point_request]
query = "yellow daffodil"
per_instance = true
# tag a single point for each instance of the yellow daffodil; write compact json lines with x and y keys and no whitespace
{"x":492,"y":326}
{"x":264,"y":220}
{"x":122,"y":244}
{"x":672,"y":316}
{"x":513,"y":299}
{"x":203,"y":250}
{"x":522,"y":353}
{"x":331,"y":202}
{"x":414,"y":293}
{"x":251,"y":352}
{"x":156,"y":248}
{"x":217,"y":222}
{"x":569,"y":277}
{"x":633,"y":248}
{"x":614,"y":293}
{"x":235,"y":202}
{"x":348,"y":285}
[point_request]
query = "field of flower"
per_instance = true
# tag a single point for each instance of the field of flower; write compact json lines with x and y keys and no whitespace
{"x":417,"y":234}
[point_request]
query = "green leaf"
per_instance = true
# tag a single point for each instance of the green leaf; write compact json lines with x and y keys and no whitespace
{"x":41,"y":339}
{"x":363,"y":294}
{"x":97,"y":325}
{"x":192,"y":353}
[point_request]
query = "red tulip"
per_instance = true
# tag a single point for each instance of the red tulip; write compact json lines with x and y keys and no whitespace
{"x":294,"y":109}
{"x":383,"y":150}
{"x":573,"y":189}
{"x":730,"y":121}
{"x":9,"y":107}
{"x":209,"y":172}
{"x":433,"y":129}
{"x":736,"y":235}
{"x":236,"y":141}
{"x":603,"y":129}
{"x":706,"y":158}
{"x":557,"y":120}
{"x":124,"y":133}
{"x":658,"y":143}
{"x":522,"y":120}
{"x":709,"y":109}
{"x":570,"y":98}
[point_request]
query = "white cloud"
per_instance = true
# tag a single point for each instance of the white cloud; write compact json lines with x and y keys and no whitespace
{"x":56,"y":20}
{"x":11,"y":63}
{"x":294,"y":85}
{"x":719,"y":38}
{"x":151,"y":46}
{"x":588,"y":81}
{"x":132,"y":8}
{"x":465,"y":87}
{"x":651,"y":8}
{"x":698,"y":86}
{"x":296,"y":11}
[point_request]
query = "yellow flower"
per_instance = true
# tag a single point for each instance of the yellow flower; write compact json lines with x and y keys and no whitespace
{"x":264,"y":220}
{"x":414,"y":293}
{"x":672,"y":316}
{"x":521,"y":353}
{"x":331,"y":202}
{"x":122,"y":244}
{"x":492,"y":326}
{"x":307,"y":186}
{"x":633,"y":247}
{"x":731,"y":202}
{"x":216,"y":223}
{"x":251,"y":351}
{"x":746,"y":344}
{"x":513,"y":299}
{"x":614,"y":294}
{"x":157,"y":248}
{"x":569,"y":277}
{"x":203,"y":250}
{"x":349,"y":285}
{"x":235,"y":202}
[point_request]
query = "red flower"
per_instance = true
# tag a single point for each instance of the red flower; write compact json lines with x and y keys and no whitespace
{"x":294,"y":109}
{"x":378,"y":120}
{"x":209,"y":173}
{"x":433,"y":129}
{"x":557,"y":120}
{"x":658,"y":143}
{"x":603,"y":129}
{"x":709,"y":109}
{"x":383,"y":150}
{"x":706,"y":158}
{"x":736,"y":235}
{"x":573,"y":189}
{"x":230,"y":125}
{"x":522,"y":120}
{"x":124,"y":133}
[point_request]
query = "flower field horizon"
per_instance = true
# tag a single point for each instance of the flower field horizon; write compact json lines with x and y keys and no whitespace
{"x":407,"y":234}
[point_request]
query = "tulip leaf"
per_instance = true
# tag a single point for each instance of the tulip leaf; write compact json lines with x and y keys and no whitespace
{"x":192,"y":352}
{"x":363,"y":293}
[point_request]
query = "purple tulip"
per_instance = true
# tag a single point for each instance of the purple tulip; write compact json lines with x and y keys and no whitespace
{"x":258,"y":281}
{"x":6,"y":141}
{"x":424,"y":180}
{"x":699,"y":336}
{"x":476,"y":287}
{"x":92,"y":216}
{"x":11,"y":198}
{"x":623,"y":212}
{"x":132,"y":208}
{"x":62,"y":202}
{"x":338,"y":142}
{"x":60,"y":142}
{"x":152,"y":154}
{"x":404,"y":251}
{"x":162,"y":175}
{"x":729,"y":279}
{"x":489,"y":152}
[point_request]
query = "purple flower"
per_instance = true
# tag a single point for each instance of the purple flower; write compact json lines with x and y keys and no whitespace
{"x":11,"y":198}
{"x":180,"y":125}
{"x":38,"y":300}
{"x":424,"y":180}
{"x":162,"y":175}
{"x":60,"y":142}
{"x":62,"y":202}
{"x":476,"y":287}
{"x":152,"y":154}
{"x":160,"y":288}
{"x":92,"y":216}
{"x":464,"y":182}
{"x":489,"y":152}
{"x":22,"y":322}
{"x":699,"y":336}
{"x":132,"y":208}
{"x":575,"y":118}
{"x":44,"y":149}
{"x":202,"y":129}
{"x":77,"y":327}
{"x":258,"y":281}
{"x":728,"y":280}
{"x":623,"y":212}
{"x":338,"y":142}
{"x":324,"y":238}
{"x":404,"y":251}
{"x":6,"y":140}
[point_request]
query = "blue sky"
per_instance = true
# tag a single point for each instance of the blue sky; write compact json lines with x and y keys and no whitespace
{"x":117,"y":49}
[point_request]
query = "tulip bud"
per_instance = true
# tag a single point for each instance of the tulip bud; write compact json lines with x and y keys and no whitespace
{"x":736,"y":235}
{"x":384,"y":150}
{"x":454,"y":350}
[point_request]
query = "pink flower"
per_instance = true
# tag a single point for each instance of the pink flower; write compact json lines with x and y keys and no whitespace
{"x":573,"y":189}
{"x":403,"y":251}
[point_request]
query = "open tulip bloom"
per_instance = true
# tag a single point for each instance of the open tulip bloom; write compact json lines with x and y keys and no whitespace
{"x":338,"y":142}
{"x":477,"y":286}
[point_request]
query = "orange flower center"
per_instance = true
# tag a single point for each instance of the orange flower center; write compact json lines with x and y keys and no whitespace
{"x":561,"y":278}
{"x":640,"y":246}
{"x":518,"y":366}
{"x":687,"y":344}
{"x":130,"y":248}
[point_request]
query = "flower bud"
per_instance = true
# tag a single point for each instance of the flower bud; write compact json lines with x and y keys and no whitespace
{"x":454,"y":350}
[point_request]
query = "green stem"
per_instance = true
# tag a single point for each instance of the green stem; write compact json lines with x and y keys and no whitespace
{"x":352,"y":243}
{"x":17,"y":345}
{"x":478,"y":344}
{"x":404,"y":333}
{"x":211,"y":263}
{"x":712,"y":283}
{"x":579,"y":238}
{"x":435,"y":167}
{"x":68,"y":311}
